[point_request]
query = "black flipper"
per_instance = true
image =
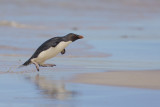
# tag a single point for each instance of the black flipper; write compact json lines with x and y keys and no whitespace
{"x":63,"y":51}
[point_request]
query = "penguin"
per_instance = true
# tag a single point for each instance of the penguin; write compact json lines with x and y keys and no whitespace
{"x":50,"y":49}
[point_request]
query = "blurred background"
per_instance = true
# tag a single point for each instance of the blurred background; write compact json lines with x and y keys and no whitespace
{"x":119,"y":35}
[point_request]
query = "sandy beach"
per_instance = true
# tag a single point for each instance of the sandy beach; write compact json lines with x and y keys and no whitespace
{"x":135,"y":79}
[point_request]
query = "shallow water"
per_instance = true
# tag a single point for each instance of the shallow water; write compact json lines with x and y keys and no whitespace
{"x":119,"y":35}
{"x":43,"y":90}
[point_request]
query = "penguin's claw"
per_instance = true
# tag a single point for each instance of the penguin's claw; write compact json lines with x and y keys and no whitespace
{"x":37,"y":69}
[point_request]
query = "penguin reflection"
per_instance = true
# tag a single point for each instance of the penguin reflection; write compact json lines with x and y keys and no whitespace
{"x":51,"y":88}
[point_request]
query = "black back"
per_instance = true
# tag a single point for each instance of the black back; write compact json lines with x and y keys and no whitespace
{"x":53,"y":42}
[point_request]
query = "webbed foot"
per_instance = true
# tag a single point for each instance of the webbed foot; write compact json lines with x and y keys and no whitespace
{"x":47,"y":65}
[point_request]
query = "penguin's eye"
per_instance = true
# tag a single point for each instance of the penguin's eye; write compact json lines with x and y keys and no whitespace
{"x":77,"y":36}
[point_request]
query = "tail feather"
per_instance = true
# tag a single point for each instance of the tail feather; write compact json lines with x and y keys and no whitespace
{"x":25,"y":64}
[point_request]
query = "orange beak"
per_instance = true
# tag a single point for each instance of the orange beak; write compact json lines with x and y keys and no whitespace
{"x":80,"y":37}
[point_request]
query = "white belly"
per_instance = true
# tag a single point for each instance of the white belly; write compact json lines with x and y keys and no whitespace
{"x":51,"y":52}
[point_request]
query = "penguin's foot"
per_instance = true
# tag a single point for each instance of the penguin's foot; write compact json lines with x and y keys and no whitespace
{"x":47,"y":65}
{"x":37,"y":66}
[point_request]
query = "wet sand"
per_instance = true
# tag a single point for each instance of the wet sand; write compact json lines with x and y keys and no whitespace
{"x":135,"y":79}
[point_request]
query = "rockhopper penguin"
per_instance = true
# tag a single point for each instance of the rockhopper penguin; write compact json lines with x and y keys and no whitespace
{"x":50,"y":49}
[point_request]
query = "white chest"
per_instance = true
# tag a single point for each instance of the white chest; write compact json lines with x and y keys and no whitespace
{"x":52,"y":52}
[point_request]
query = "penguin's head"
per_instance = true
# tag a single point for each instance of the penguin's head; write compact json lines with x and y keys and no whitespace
{"x":73,"y":37}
